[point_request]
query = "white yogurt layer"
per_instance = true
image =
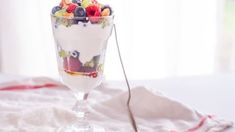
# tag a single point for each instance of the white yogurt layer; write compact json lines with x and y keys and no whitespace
{"x":89,"y":40}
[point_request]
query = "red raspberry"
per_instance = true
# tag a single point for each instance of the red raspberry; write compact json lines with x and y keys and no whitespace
{"x":93,"y":12}
{"x":94,"y":74}
{"x":71,"y":8}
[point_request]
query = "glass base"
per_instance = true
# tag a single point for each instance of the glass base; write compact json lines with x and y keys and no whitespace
{"x":81,"y":128}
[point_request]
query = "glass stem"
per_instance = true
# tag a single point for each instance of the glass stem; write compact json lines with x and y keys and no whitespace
{"x":81,"y":109}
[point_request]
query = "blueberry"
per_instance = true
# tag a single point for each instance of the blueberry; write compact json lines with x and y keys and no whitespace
{"x":55,"y":9}
{"x":80,"y":14}
{"x":78,"y":2}
{"x":105,"y":7}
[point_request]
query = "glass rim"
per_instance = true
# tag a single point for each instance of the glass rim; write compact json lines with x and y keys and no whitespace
{"x":62,"y":17}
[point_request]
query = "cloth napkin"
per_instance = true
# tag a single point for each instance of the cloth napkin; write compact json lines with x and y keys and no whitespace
{"x":44,"y":108}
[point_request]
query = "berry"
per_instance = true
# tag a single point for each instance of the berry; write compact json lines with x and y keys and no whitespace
{"x":87,"y":69}
{"x":78,"y":2}
{"x":107,"y":10}
{"x":93,"y":12}
{"x":55,"y":9}
{"x":80,"y":14}
{"x":71,"y":8}
{"x":74,"y":64}
{"x":94,"y":74}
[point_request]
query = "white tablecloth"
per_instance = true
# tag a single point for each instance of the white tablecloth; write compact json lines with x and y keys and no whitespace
{"x":46,"y":109}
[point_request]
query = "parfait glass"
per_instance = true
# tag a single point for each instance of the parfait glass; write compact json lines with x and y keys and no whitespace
{"x":81,"y":44}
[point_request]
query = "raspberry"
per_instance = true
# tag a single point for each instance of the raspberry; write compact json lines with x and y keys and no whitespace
{"x":93,"y":12}
{"x":71,"y":8}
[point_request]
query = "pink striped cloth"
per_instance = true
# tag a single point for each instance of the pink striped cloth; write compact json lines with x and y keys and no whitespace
{"x":30,"y":83}
{"x":43,"y":105}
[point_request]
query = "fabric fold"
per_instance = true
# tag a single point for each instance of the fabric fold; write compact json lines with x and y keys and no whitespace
{"x":47,"y":109}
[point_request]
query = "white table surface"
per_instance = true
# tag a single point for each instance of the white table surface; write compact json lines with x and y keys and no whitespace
{"x":213,"y":94}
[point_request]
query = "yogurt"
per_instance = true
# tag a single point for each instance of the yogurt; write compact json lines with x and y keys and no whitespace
{"x":81,"y":52}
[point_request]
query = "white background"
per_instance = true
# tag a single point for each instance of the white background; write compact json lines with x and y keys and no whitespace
{"x":158,"y":39}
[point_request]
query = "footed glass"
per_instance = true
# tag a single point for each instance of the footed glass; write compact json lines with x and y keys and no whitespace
{"x":81,"y":44}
